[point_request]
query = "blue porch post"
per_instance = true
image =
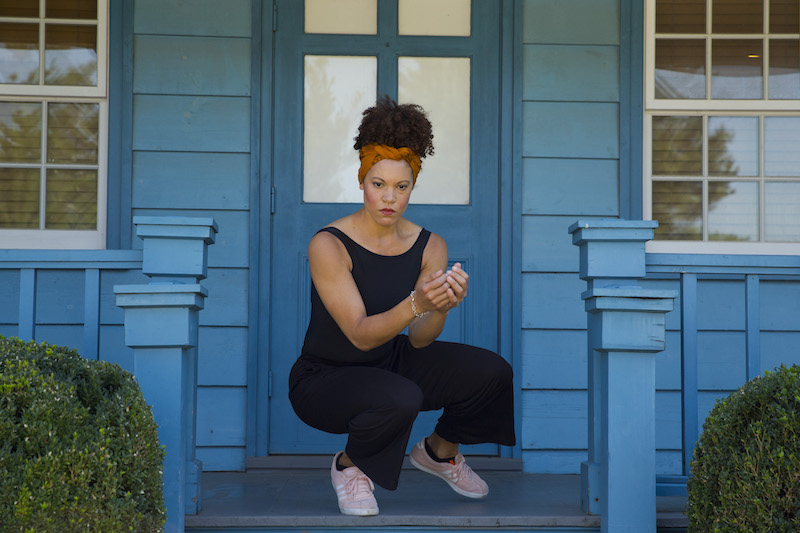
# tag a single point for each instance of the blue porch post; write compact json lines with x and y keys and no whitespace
{"x":626,"y":327}
{"x":161,"y":325}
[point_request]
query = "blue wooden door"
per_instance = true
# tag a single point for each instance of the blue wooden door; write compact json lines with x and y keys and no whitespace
{"x":470,"y":224}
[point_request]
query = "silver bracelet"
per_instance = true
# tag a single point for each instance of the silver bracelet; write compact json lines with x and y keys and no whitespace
{"x":414,"y":307}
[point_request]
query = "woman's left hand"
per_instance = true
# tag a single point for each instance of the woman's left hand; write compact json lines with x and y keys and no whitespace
{"x":458,"y":281}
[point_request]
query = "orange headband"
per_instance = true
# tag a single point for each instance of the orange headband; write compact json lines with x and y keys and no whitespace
{"x":372,"y":153}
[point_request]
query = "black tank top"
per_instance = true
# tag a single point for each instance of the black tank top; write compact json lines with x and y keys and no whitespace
{"x":382,"y":280}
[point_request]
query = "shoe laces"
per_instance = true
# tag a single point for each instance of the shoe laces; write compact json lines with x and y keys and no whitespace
{"x":359,"y":486}
{"x":461,"y":470}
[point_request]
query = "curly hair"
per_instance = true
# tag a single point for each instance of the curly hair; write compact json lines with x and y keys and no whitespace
{"x":396,"y":125}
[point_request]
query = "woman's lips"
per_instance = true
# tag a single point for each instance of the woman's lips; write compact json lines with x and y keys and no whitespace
{"x":387,"y":212}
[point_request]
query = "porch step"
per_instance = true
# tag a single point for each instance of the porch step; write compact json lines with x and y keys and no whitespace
{"x":286,"y":499}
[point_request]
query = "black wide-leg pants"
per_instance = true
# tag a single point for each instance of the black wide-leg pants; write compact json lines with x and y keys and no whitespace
{"x":376,"y":405}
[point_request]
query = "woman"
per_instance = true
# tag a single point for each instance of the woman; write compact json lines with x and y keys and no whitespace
{"x":373,"y":274}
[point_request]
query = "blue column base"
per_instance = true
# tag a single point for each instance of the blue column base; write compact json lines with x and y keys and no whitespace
{"x":591,"y":488}
{"x":194,"y":486}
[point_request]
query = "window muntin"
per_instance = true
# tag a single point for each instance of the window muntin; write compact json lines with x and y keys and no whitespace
{"x":722,"y":97}
{"x":53,"y":123}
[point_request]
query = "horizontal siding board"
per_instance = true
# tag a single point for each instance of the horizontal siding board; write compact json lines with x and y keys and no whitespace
{"x":780,"y":305}
{"x":553,"y":359}
{"x":9,"y":296}
{"x":570,"y":73}
{"x":668,"y":420}
{"x":222,"y":459}
{"x":191,"y":180}
{"x":668,"y":363}
{"x":552,"y":301}
{"x":221,"y":416}
{"x":191,"y":65}
{"x":191,"y":123}
{"x":231,"y":248}
{"x":231,"y":18}
{"x":571,"y":21}
{"x":222,"y":356}
{"x":721,"y":360}
{"x":779,"y":348}
{"x":109,"y":312}
{"x":570,"y":186}
{"x":226,"y":304}
{"x":720,"y":305}
{"x":547,"y":245}
{"x":59,"y":296}
{"x":570,"y":130}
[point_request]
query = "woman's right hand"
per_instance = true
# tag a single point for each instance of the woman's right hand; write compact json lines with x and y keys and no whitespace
{"x":439,"y":291}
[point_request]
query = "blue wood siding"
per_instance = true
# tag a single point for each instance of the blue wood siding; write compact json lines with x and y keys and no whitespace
{"x":191,"y":139}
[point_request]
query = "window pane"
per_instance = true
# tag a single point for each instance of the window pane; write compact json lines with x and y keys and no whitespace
{"x":737,"y":16}
{"x":782,"y":211}
{"x":678,"y":207}
{"x":19,"y":53}
{"x":19,"y":198}
{"x":72,"y":9}
{"x":736,"y":69}
{"x":733,"y":146}
{"x":677,"y":146}
{"x":71,"y":199}
{"x":681,"y":16}
{"x":337,"y":90}
{"x":72,"y":133}
{"x":680,"y":68}
{"x":434,"y":17}
{"x":341,"y":16}
{"x":784,"y":69}
{"x":781,"y":142}
{"x":70,"y":56}
{"x":441,"y":85}
{"x":733,"y":211}
{"x":20,"y":132}
{"x":784,"y":16}
{"x":19,"y":8}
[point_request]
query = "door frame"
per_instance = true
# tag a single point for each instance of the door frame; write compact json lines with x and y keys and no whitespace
{"x":265,"y":19}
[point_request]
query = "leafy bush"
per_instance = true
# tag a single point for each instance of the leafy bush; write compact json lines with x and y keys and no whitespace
{"x":746,"y":466}
{"x":79,"y":448}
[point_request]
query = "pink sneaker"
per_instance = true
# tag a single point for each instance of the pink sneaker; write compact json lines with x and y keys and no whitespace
{"x":457,"y":474}
{"x":354,"y":490}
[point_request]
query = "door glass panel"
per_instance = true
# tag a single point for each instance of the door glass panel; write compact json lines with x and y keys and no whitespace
{"x":737,"y":16}
{"x":70,"y":55}
{"x":337,"y":89}
{"x":781,"y":139}
{"x":681,"y":16}
{"x":782,"y":211}
{"x":736,"y":68}
{"x":677,"y":146}
{"x":441,"y":85}
{"x":434,"y":17}
{"x":341,"y":16}
{"x":19,"y":53}
{"x":784,"y":69}
{"x":678,"y":207}
{"x":733,"y":146}
{"x":680,"y":68}
{"x":21,"y":133}
{"x":733,"y":211}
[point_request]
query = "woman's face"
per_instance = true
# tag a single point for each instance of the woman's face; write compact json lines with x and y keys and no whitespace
{"x":387,"y":189}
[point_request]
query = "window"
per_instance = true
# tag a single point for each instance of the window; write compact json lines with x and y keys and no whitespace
{"x":53,"y":123}
{"x":722,"y":125}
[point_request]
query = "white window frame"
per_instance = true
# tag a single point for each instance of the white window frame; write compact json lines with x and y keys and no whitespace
{"x":705,"y":108}
{"x":68,"y":239}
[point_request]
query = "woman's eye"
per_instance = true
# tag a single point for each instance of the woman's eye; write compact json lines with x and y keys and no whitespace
{"x":402,"y":187}
{"x":376,"y":184}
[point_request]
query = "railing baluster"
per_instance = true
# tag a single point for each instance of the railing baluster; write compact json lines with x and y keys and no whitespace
{"x":91,"y":314}
{"x":753,"y":325}
{"x":689,"y":366}
{"x":27,"y":303}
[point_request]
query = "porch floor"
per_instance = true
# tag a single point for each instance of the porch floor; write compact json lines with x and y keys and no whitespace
{"x":294,"y":499}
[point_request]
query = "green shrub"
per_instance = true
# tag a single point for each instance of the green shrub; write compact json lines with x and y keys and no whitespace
{"x":746,"y":466}
{"x":79,"y":448}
